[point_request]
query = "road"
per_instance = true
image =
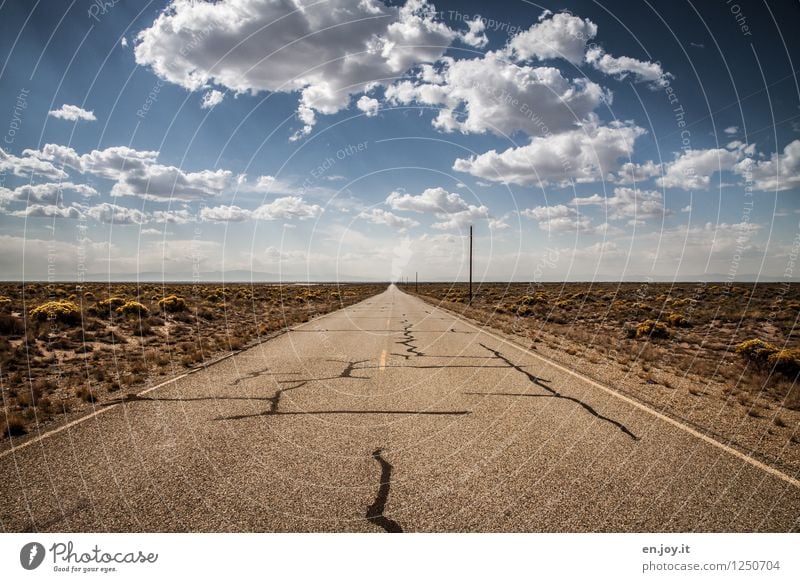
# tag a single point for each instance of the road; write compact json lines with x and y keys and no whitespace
{"x":390,"y":415}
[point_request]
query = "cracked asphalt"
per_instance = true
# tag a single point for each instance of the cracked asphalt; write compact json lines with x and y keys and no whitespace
{"x":390,"y":415}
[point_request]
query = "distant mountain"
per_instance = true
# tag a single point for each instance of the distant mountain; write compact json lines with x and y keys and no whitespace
{"x":232,"y":276}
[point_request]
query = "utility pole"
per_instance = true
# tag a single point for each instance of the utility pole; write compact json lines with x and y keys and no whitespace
{"x":470,"y":264}
{"x":416,"y":282}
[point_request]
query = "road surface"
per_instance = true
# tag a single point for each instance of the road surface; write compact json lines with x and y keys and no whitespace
{"x":390,"y":415}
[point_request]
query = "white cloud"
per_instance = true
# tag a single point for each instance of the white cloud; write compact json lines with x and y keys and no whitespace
{"x":136,"y":172}
{"x":115,"y":214}
{"x":586,"y":154}
{"x":558,"y":218}
{"x":49,"y":192}
{"x":621,"y":67}
{"x":368,"y":105}
{"x":627,"y":203}
{"x":29,"y":165}
{"x":732,"y":130}
{"x":168,"y":182}
{"x":225,"y":214}
{"x":558,"y":36}
{"x":123,"y":42}
{"x":461,"y":220}
{"x":692,"y":170}
{"x":378,"y":216}
{"x":432,"y":200}
{"x":286,"y":208}
{"x":180,"y":216}
{"x":326,"y":51}
{"x":449,"y":208}
{"x":633,"y":173}
{"x":498,"y":224}
{"x":211,"y":99}
{"x":48,"y":211}
{"x":72,"y":113}
{"x":475,"y":35}
{"x":779,"y":172}
{"x":491,"y":94}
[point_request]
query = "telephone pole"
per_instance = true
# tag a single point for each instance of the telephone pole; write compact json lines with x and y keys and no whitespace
{"x":416,"y":282}
{"x":470,"y":265}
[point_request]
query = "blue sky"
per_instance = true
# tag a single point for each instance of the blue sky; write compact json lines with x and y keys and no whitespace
{"x":349,"y":139}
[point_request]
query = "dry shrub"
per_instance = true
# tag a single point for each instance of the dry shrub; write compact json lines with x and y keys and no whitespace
{"x":14,"y":425}
{"x":652,"y":329}
{"x":172,"y":304}
{"x":61,"y":311}
{"x":107,"y":306}
{"x":678,"y":320}
{"x":132,"y":308}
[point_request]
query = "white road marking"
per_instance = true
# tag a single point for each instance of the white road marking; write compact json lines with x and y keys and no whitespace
{"x":738,"y":454}
{"x":105,"y":409}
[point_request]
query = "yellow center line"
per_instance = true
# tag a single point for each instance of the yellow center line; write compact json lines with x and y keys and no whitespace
{"x":383,"y":360}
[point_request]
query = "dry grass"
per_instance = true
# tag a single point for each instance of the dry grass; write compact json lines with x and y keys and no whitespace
{"x":742,"y":336}
{"x":64,"y":347}
{"x":684,"y":349}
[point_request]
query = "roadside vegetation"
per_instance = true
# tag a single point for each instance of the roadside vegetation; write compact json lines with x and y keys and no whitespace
{"x":722,"y":357}
{"x":65,"y":347}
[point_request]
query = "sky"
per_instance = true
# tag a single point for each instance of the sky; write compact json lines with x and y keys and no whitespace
{"x":322,"y":140}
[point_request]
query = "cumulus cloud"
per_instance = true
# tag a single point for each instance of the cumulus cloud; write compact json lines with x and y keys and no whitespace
{"x":693,"y":169}
{"x":732,"y":130}
{"x":115,"y":214}
{"x":461,"y":220}
{"x":559,"y":36}
{"x":632,"y":173}
{"x":72,"y":113}
{"x":286,"y":208}
{"x":49,"y":192}
{"x":475,"y":35}
{"x":29,"y":166}
{"x":48,"y":211}
{"x":558,"y":218}
{"x":449,"y":208}
{"x":368,"y":105}
{"x":492,"y":94}
{"x":432,"y":200}
{"x":211,"y":99}
{"x":586,"y":154}
{"x":325,"y":51}
{"x":627,"y":203}
{"x":229,"y":213}
{"x":180,"y":216}
{"x":622,"y":67}
{"x":378,"y":216}
{"x":136,"y":172}
{"x":779,"y":172}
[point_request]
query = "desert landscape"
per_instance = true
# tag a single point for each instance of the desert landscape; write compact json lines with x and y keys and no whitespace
{"x":723,"y":358}
{"x":67,"y":347}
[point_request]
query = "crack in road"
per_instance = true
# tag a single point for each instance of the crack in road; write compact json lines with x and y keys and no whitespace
{"x":408,"y":342}
{"x":554,"y":393}
{"x":375,"y":511}
{"x":275,"y":399}
{"x":258,"y":373}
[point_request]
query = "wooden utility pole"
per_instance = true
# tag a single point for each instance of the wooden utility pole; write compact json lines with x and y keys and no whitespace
{"x":470,"y":264}
{"x":416,"y":282}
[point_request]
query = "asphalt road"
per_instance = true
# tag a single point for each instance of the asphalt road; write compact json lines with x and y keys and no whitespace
{"x":390,"y":415}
